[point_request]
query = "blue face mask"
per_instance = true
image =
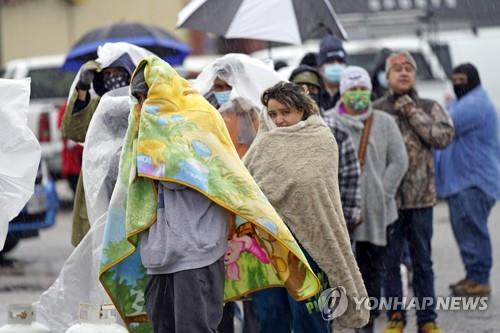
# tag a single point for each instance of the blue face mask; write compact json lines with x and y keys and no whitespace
{"x":382,"y":79}
{"x":334,"y":72}
{"x":222,"y":97}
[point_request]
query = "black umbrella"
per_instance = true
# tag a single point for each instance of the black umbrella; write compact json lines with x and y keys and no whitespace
{"x":149,"y":37}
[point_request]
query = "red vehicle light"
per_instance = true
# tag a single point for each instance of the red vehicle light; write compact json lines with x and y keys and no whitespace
{"x":44,"y":128}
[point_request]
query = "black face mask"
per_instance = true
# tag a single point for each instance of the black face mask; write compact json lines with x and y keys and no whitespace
{"x":473,"y":80}
{"x":115,"y":82}
{"x":461,"y":90}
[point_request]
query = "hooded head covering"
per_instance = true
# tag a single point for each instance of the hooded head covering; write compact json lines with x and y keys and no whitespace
{"x":124,"y":62}
{"x":473,"y":79}
{"x":248,"y":77}
{"x":121,"y":54}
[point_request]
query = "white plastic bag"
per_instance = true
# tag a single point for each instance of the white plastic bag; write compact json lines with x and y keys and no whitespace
{"x":20,"y":152}
{"x":248,"y":77}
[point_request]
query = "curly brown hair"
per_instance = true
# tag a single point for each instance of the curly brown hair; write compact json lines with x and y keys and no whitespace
{"x":291,"y":95}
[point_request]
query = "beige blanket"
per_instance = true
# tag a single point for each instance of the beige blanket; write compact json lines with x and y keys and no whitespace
{"x":297,"y":169}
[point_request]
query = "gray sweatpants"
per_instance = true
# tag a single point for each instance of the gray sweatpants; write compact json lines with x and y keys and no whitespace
{"x":189,"y":301}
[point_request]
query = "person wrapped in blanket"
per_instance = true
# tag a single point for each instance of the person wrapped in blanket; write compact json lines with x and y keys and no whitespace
{"x":294,"y":160}
{"x":185,"y":289}
{"x":204,"y":231}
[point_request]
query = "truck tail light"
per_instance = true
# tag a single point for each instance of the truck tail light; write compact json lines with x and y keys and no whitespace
{"x":44,"y":127}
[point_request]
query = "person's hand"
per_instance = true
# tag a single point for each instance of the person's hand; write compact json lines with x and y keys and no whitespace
{"x":404,"y":104}
{"x":351,"y":227}
{"x":87,"y":74}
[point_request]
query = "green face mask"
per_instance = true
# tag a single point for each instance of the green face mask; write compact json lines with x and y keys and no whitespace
{"x":357,"y":100}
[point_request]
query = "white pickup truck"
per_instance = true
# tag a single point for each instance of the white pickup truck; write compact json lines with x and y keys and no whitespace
{"x":49,"y":90}
{"x":432,"y":81}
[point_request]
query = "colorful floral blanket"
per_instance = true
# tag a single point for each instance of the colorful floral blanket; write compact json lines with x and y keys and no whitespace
{"x":177,"y":136}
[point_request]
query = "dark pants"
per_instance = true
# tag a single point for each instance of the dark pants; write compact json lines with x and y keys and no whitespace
{"x":414,"y":225}
{"x":370,"y":260}
{"x":231,"y":310}
{"x":469,"y":211}
{"x":277,"y":312}
{"x":187,"y":301}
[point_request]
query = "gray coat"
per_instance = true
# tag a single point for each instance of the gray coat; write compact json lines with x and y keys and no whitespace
{"x":386,"y":163}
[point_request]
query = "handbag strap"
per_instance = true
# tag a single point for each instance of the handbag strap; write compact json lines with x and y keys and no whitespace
{"x":363,"y":144}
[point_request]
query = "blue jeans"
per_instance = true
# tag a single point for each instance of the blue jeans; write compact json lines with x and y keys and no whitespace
{"x":469,"y":211}
{"x":414,"y":226}
{"x":278,"y":312}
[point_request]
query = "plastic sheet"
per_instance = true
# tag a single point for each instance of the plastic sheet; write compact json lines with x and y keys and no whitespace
{"x":109,"y":53}
{"x":103,"y":145}
{"x":249,"y":77}
{"x":20,"y":152}
{"x":78,"y":280}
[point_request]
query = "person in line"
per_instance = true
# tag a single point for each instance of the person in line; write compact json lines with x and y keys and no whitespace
{"x":94,"y":80}
{"x":424,"y":125}
{"x":349,"y":170}
{"x":233,"y":85}
{"x":378,"y":77}
{"x":188,"y":228}
{"x":332,"y":61}
{"x":294,"y":160}
{"x":382,"y":155}
{"x":468,"y":176}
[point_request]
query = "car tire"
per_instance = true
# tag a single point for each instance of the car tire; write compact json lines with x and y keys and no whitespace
{"x":10,"y":243}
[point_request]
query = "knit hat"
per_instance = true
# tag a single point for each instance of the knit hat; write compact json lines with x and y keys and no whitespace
{"x":355,"y":76}
{"x":331,"y":48}
{"x":306,"y":74}
{"x":400,"y":57}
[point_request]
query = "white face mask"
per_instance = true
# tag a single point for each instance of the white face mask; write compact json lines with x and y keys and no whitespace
{"x":333,"y":72}
{"x":382,"y":79}
{"x":222,"y":97}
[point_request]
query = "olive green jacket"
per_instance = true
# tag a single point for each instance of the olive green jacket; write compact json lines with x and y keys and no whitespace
{"x":74,"y":127}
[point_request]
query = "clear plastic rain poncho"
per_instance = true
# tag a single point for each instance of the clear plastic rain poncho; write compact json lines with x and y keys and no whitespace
{"x":247,"y":76}
{"x":242,"y":121}
{"x":19,"y":152}
{"x":78,"y":280}
{"x":109,"y":53}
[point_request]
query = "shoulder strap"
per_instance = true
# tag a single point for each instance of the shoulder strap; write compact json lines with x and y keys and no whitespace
{"x":363,"y":144}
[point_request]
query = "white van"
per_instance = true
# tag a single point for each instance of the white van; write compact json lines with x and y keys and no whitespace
{"x":49,"y":90}
{"x":432,"y":81}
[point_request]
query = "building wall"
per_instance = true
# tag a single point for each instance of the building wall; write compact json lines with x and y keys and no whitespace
{"x":31,"y":28}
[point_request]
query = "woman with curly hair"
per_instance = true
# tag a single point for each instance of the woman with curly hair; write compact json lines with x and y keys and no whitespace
{"x":294,"y":159}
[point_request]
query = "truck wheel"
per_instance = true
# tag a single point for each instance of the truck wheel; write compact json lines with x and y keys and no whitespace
{"x":10,"y":243}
